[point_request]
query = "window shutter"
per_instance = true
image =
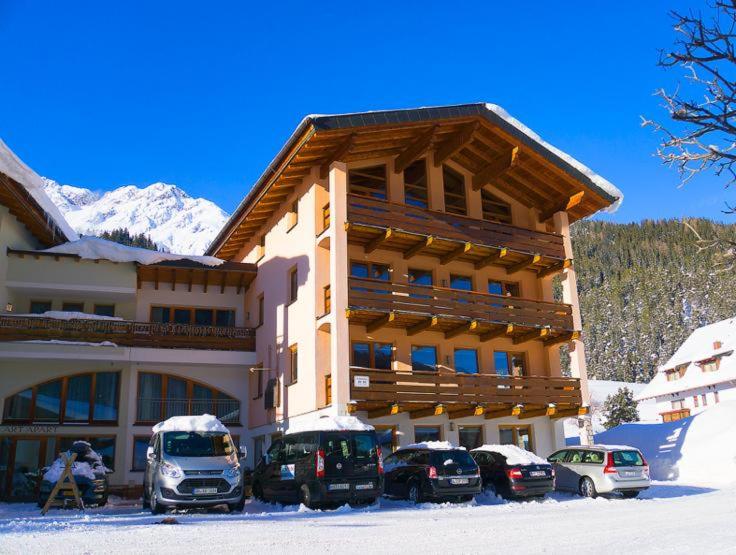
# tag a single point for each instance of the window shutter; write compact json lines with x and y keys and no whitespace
{"x":271,"y":396}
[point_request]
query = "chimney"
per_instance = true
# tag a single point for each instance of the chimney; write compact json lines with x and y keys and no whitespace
{"x":717,"y":345}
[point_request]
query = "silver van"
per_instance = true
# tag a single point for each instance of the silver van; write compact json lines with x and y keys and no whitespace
{"x":600,"y":469}
{"x":187,"y":469}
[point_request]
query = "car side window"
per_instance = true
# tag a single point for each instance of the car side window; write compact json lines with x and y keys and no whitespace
{"x":420,"y":458}
{"x":574,"y":457}
{"x":276,"y":451}
{"x":557,"y":457}
{"x":593,"y":457}
{"x":480,"y":458}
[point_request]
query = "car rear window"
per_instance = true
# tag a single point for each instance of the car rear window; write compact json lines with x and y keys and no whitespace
{"x":627,"y":458}
{"x":346,"y":446}
{"x":459,"y":457}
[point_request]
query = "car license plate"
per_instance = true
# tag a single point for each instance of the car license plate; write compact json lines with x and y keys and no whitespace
{"x":369,"y":485}
{"x":204,"y":491}
{"x":333,"y":487}
{"x":630,"y":473}
{"x":459,"y":481}
{"x":537,"y":473}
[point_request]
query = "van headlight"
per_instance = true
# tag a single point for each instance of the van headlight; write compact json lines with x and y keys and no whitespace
{"x":169,"y":470}
{"x":233,"y":472}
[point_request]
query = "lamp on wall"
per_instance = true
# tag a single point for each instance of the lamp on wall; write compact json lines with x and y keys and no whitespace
{"x":9,"y":307}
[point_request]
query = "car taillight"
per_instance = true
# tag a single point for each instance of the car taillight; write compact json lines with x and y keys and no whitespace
{"x":432,"y":472}
{"x":380,"y":459}
{"x":610,"y":468}
{"x":319,"y":463}
{"x":514,"y":474}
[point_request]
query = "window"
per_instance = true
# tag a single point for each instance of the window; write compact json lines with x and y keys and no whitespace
{"x":454,"y":192}
{"x":419,"y":277}
{"x":715,"y":397}
{"x":220,"y":317}
{"x":427,"y":433}
{"x":294,"y":363}
{"x":710,"y":365}
{"x":415,"y":184}
{"x":140,"y":448}
{"x":368,"y":182}
{"x":507,"y":289}
{"x":328,"y":389}
{"x":372,"y":355}
{"x":82,"y":398}
{"x":327,"y":298}
{"x":105,"y":310}
{"x":676,"y":373}
{"x":470,"y":436}
{"x":696,"y":401}
{"x":293,"y":284}
{"x":72,"y":307}
{"x":466,"y":361}
{"x":325,"y":216}
{"x":260,"y":309}
{"x":494,"y":209}
{"x":423,"y":358}
{"x":370,"y":270}
{"x":292,"y":216}
{"x":464,"y":283}
{"x":39,"y":307}
{"x":386,"y":439}
{"x":704,"y":399}
{"x":161,"y":396}
{"x":509,"y":364}
{"x":521,"y":436}
{"x":261,"y":248}
{"x":680,"y":404}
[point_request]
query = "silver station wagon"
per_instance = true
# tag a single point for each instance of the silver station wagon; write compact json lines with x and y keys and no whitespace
{"x":600,"y":469}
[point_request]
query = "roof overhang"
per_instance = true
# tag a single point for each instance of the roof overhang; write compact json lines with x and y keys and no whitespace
{"x":474,"y":136}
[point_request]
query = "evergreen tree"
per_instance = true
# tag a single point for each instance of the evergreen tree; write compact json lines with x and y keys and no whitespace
{"x":124,"y":237}
{"x":620,"y":408}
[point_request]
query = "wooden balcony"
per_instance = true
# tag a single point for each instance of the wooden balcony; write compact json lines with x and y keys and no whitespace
{"x":413,"y":231}
{"x":385,"y":392}
{"x":417,"y":308}
{"x":126,"y":333}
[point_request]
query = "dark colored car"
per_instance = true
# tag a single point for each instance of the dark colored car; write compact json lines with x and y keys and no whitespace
{"x":520,"y":477}
{"x":321,"y":468}
{"x":423,"y":474}
{"x":92,"y":490}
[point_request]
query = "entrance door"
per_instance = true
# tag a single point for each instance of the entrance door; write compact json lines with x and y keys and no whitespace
{"x":26,"y":460}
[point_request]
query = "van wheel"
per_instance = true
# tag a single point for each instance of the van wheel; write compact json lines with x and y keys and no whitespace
{"x":305,"y":496}
{"x":156,"y":507}
{"x":415,"y":492}
{"x":587,"y":488}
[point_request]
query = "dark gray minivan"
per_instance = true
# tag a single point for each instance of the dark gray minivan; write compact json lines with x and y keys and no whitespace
{"x":320,"y":468}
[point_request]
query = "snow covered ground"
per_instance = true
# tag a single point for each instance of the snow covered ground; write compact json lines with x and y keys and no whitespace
{"x":667,"y":518}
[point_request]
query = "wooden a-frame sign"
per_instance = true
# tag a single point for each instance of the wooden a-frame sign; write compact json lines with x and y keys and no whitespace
{"x":64,"y":484}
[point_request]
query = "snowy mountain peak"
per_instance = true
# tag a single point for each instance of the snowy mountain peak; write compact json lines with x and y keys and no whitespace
{"x":172,"y":218}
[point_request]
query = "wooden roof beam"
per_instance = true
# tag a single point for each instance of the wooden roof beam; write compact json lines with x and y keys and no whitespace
{"x":564,"y":338}
{"x":430,"y":324}
{"x":571,"y":412}
{"x":384,"y":411}
{"x":337,"y":155}
{"x":436,"y":410}
{"x":461,"y":329}
{"x":417,"y":148}
{"x":555,"y":268}
{"x":563,"y":206}
{"x":540,"y":333}
{"x":378,"y":241}
{"x":524,"y":264}
{"x":381,"y":322}
{"x":496,"y":168}
{"x":455,"y":143}
{"x":223,"y":282}
{"x":477,"y":410}
{"x":241,"y":283}
{"x":419,"y":247}
{"x":499,"y":413}
{"x":456,"y":253}
{"x":505,"y":331}
{"x":493,"y":258}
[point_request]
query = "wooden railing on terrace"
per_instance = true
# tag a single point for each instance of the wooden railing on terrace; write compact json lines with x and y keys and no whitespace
{"x":461,"y":389}
{"x":383,"y":214}
{"x":126,"y":333}
{"x":382,"y":296}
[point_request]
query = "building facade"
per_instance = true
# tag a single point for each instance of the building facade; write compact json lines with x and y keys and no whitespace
{"x":700,"y":374}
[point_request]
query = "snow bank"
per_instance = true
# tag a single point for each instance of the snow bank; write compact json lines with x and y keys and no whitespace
{"x":434,"y":445}
{"x":13,"y":167}
{"x":513,"y":454}
{"x":95,"y":248}
{"x":330,"y":424}
{"x":199,"y":423}
{"x":699,"y":450}
{"x":62,"y":315}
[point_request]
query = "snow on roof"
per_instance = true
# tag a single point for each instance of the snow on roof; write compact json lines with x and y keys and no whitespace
{"x":330,"y":424}
{"x":701,"y":345}
{"x":198,"y":423}
{"x":513,"y":454}
{"x":13,"y":167}
{"x":95,"y":248}
{"x":433,"y":445}
{"x":65,"y":315}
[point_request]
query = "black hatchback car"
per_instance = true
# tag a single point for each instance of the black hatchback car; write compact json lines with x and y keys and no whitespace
{"x":513,"y":473}
{"x":321,"y":468}
{"x":425,"y":473}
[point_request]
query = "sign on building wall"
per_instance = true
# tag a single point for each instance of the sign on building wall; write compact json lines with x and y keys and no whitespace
{"x":361,"y":381}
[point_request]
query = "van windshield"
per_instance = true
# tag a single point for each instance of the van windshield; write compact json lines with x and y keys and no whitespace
{"x":197,"y":444}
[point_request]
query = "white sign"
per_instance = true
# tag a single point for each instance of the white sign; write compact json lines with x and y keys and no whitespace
{"x":361,"y":381}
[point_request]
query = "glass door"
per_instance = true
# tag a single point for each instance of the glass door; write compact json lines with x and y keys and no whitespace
{"x":22,"y":480}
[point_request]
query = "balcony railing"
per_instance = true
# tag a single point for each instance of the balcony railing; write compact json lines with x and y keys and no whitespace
{"x":126,"y":333}
{"x":447,"y":229}
{"x":414,"y":303}
{"x":157,"y":410}
{"x":371,"y":387}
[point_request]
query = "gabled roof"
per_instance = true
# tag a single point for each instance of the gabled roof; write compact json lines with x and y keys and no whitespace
{"x":21,"y":190}
{"x":471,"y":135}
{"x":714,"y":340}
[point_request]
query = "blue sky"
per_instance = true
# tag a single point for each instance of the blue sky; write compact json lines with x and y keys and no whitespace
{"x":203,"y":94}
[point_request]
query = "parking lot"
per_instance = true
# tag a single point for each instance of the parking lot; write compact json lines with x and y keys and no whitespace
{"x":668,"y":517}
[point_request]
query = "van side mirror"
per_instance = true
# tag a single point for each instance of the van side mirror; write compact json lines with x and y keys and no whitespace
{"x":149,"y":453}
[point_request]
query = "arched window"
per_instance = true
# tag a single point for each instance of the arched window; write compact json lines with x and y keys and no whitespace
{"x":161,"y":396}
{"x":90,"y":398}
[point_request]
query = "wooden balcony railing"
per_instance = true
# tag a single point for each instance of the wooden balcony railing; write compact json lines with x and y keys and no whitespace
{"x":373,"y":388}
{"x":446,"y":229}
{"x":157,"y":410}
{"x":126,"y":333}
{"x":369,"y":298}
